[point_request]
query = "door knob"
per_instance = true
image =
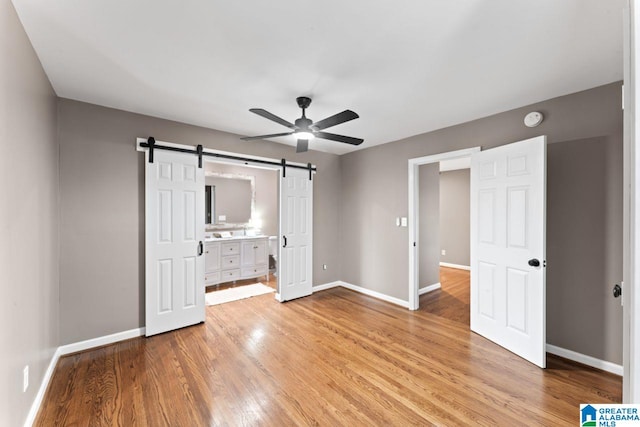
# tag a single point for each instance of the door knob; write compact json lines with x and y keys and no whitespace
{"x":617,"y":290}
{"x":533,"y":262}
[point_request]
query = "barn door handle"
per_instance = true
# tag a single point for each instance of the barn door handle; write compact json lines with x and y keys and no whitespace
{"x":200,"y":248}
{"x":534,"y":262}
{"x":285,"y":241}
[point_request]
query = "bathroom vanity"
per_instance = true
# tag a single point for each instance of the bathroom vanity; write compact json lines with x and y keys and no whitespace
{"x":235,"y":258}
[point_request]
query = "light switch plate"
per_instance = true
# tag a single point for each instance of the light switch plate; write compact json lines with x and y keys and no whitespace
{"x":403,"y":221}
{"x":398,"y":221}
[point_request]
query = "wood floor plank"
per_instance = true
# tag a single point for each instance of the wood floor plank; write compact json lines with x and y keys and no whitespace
{"x":334,"y":358}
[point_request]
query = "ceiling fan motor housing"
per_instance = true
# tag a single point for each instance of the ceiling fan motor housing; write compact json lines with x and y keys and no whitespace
{"x":303,"y":123}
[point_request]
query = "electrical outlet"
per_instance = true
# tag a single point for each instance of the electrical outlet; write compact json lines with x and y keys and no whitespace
{"x":25,"y":378}
{"x":324,"y":266}
{"x":444,"y":252}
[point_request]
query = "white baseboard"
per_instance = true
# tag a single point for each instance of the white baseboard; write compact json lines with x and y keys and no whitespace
{"x":35,"y":406}
{"x":100,"y":341}
{"x":326,"y":286}
{"x":458,"y":266}
{"x":585,"y":360}
{"x":429,"y":288}
{"x":375,"y":294}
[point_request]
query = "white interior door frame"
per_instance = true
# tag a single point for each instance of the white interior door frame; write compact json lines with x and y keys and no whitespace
{"x":246,"y":161}
{"x":631,"y":231}
{"x":414,"y":194}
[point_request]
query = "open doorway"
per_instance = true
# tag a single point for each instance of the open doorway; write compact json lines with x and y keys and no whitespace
{"x":445,"y":214}
{"x":241,"y":229}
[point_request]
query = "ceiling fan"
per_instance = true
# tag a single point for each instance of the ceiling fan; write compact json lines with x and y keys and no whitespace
{"x":305,"y":129}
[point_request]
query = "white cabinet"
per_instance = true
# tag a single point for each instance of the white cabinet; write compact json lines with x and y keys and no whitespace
{"x":230,"y":260}
{"x":255,"y":258}
{"x":211,"y":263}
{"x":212,"y":256}
{"x":254,"y":252}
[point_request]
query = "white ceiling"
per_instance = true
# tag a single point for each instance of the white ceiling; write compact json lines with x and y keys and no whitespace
{"x":406,"y":67}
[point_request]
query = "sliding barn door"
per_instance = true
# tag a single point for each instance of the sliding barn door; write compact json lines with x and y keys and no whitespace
{"x":296,"y":235}
{"x":508,"y":192}
{"x":175,"y":212}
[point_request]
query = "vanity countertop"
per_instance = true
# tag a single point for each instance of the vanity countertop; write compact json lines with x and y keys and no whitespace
{"x":224,"y":239}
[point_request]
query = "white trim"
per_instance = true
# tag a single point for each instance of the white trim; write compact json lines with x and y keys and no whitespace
{"x":414,"y":165}
{"x":429,"y":288}
{"x":100,"y":341}
{"x":631,"y":221}
{"x":458,"y":266}
{"x":585,"y":360}
{"x":375,"y":294}
{"x":278,"y":297}
{"x":37,"y":402}
{"x":326,"y":286}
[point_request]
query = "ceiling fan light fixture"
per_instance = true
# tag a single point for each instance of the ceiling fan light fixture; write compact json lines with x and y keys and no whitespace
{"x":304,"y":135}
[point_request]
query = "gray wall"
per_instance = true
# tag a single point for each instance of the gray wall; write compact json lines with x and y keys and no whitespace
{"x":266,"y":192}
{"x":584,"y":246}
{"x":455,"y":210}
{"x":374,"y":191}
{"x":28,"y":219}
{"x":102,"y":212}
{"x":429,"y":238}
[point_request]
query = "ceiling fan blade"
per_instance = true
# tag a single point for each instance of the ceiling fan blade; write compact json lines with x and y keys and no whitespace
{"x":303,"y":145}
{"x":339,"y":138}
{"x":336,"y":119}
{"x":272,"y":117}
{"x":273,"y":135}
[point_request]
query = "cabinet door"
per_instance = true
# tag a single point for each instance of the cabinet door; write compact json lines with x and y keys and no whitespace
{"x":212,"y":257}
{"x":248,"y":253}
{"x":261,"y":252}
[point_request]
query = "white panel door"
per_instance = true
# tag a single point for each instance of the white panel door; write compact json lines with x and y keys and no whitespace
{"x":174,"y":295}
{"x":296,"y":235}
{"x":508,"y":212}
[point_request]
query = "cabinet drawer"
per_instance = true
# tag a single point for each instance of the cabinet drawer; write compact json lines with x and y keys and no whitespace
{"x":212,"y":278}
{"x":255,"y":271}
{"x":230,"y":248}
{"x":232,"y":261}
{"x":230,"y":275}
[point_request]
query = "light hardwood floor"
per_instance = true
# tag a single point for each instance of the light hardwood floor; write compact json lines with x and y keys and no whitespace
{"x":334,"y":358}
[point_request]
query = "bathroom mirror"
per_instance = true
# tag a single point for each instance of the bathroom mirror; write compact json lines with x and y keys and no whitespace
{"x":230,"y":198}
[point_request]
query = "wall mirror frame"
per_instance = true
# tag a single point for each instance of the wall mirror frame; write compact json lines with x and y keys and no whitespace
{"x":229,"y":225}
